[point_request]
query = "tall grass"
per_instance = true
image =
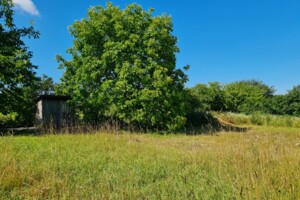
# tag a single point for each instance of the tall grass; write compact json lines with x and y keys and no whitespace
{"x":262,"y":163}
{"x":259,"y":119}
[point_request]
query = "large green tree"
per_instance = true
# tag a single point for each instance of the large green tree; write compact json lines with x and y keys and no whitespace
{"x":124,"y":67}
{"x":17,"y":76}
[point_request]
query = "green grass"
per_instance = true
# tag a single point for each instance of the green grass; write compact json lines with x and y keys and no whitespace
{"x":259,"y":119}
{"x":262,"y":163}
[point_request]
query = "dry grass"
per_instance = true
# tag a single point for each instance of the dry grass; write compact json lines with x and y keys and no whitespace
{"x":263,"y":163}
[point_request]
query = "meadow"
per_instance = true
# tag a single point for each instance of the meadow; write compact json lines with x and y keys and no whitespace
{"x":261,"y":163}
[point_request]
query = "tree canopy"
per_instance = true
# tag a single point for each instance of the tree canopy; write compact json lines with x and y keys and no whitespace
{"x":293,"y":101}
{"x":124,"y":67}
{"x":246,"y":96}
{"x":17,"y":76}
{"x":210,"y":96}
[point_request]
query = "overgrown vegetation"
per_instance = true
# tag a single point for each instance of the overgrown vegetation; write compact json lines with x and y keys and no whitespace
{"x":262,"y":163}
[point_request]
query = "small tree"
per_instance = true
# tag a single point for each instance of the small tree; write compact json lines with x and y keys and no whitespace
{"x":124,"y":67}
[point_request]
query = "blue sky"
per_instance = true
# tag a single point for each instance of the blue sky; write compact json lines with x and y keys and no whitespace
{"x":222,"y":40}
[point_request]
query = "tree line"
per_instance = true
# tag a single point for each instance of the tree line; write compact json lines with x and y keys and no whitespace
{"x":122,"y":68}
{"x":246,"y":96}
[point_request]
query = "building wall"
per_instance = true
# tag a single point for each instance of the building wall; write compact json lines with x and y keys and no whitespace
{"x":52,"y":113}
{"x":39,"y":113}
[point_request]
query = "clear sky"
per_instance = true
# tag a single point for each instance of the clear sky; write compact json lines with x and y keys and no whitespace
{"x":222,"y":40}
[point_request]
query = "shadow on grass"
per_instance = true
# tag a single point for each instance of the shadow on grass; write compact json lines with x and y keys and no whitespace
{"x":205,"y":123}
{"x":24,"y":131}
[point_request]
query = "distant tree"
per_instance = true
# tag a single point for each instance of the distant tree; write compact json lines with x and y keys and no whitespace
{"x":293,"y":101}
{"x":210,"y":97}
{"x":277,"y":105}
{"x":17,"y":74}
{"x":123,"y":67}
{"x":46,"y":85}
{"x":247,"y":96}
{"x":217,"y":95}
{"x":200,"y":98}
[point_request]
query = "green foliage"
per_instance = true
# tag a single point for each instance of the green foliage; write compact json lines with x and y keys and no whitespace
{"x":17,"y":76}
{"x":293,"y":101}
{"x":288,"y":104}
{"x":46,"y":85}
{"x":123,"y":67}
{"x":277,"y":105}
{"x":8,"y":118}
{"x":210,"y":97}
{"x":200,"y":98}
{"x":246,"y":96}
{"x":240,"y":96}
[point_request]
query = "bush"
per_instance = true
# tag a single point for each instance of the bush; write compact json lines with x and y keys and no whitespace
{"x":8,"y":119}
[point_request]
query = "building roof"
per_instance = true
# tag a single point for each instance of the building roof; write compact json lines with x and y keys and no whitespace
{"x":53,"y":97}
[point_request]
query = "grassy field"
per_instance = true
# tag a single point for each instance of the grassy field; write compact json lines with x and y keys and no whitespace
{"x":262,"y":163}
